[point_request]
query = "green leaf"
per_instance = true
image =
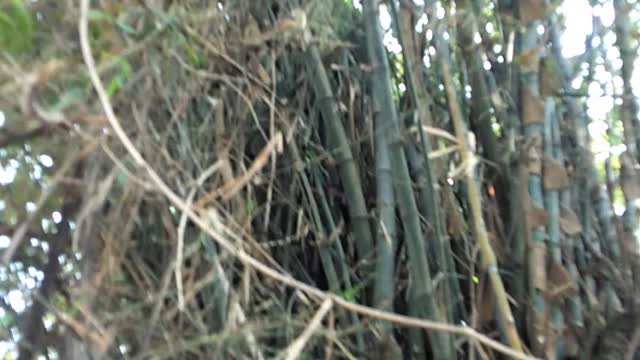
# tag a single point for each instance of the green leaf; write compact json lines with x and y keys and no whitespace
{"x":7,"y":320}
{"x":97,"y":15}
{"x":16,"y":27}
{"x":7,"y":29}
{"x":122,"y":179}
{"x":195,"y":58}
{"x":70,"y":97}
{"x":352,"y":293}
{"x":22,"y":18}
{"x":118,"y":81}
{"x":250,"y":207}
{"x":124,"y":27}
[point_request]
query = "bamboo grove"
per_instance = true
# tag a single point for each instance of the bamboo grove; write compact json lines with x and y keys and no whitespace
{"x":299,"y":179}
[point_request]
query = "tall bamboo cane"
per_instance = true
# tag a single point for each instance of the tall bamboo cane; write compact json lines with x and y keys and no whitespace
{"x":421,"y":278}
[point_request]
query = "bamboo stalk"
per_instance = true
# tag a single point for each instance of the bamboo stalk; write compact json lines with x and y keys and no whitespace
{"x":338,"y":251}
{"x":552,"y":205}
{"x":325,"y":255}
{"x":589,"y":178}
{"x":342,"y":152}
{"x":574,"y":302}
{"x":474,"y":198}
{"x":441,"y":343}
{"x":386,"y":238}
{"x":480,"y":101}
{"x":533,"y":132}
{"x":429,"y":198}
{"x":629,"y":107}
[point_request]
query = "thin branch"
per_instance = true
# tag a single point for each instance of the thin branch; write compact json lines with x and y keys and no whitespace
{"x":633,"y":344}
{"x":293,"y":351}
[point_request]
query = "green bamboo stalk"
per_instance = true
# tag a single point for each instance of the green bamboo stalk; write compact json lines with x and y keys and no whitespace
{"x":480,"y":101}
{"x":629,"y":108}
{"x":417,"y":347}
{"x":594,"y":190}
{"x":519,"y":227}
{"x":337,"y":252}
{"x":220,"y":287}
{"x":605,"y":215}
{"x":451,"y":294}
{"x":386,"y":238}
{"x":475,"y":203}
{"x":441,"y":342}
{"x":588,"y":179}
{"x":325,"y":255}
{"x":609,"y":241}
{"x":520,"y":237}
{"x":574,"y":302}
{"x":483,"y":109}
{"x":533,"y":131}
{"x":348,"y":171}
{"x":326,"y":258}
{"x":552,"y":205}
{"x":429,"y":197}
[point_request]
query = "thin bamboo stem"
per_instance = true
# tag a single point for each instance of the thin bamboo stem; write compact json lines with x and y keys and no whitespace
{"x":429,"y":199}
{"x":552,"y":205}
{"x":442,"y":345}
{"x":474,"y":198}
{"x":342,"y":152}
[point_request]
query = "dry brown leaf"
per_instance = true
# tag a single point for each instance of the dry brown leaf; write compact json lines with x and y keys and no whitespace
{"x":456,"y":225}
{"x":533,"y":160}
{"x":569,"y":222}
{"x":100,"y":340}
{"x":48,"y":71}
{"x":531,"y":10}
{"x":485,"y":305}
{"x":529,"y":60}
{"x":256,"y":67}
{"x":35,"y":80}
{"x":536,"y":216}
{"x":532,"y":107}
{"x":555,"y":175}
{"x":549,"y":78}
{"x":251,"y":28}
{"x":231,"y":187}
{"x":538,"y":266}
{"x":560,"y":283}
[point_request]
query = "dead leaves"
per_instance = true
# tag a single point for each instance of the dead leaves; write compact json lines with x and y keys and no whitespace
{"x":532,"y":107}
{"x":550,"y":83}
{"x":531,"y":10}
{"x":560,"y":283}
{"x":555,"y":175}
{"x":294,"y":27}
{"x":536,"y":216}
{"x":538,"y":264}
{"x":231,"y":187}
{"x":569,"y":222}
{"x":34,"y":81}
